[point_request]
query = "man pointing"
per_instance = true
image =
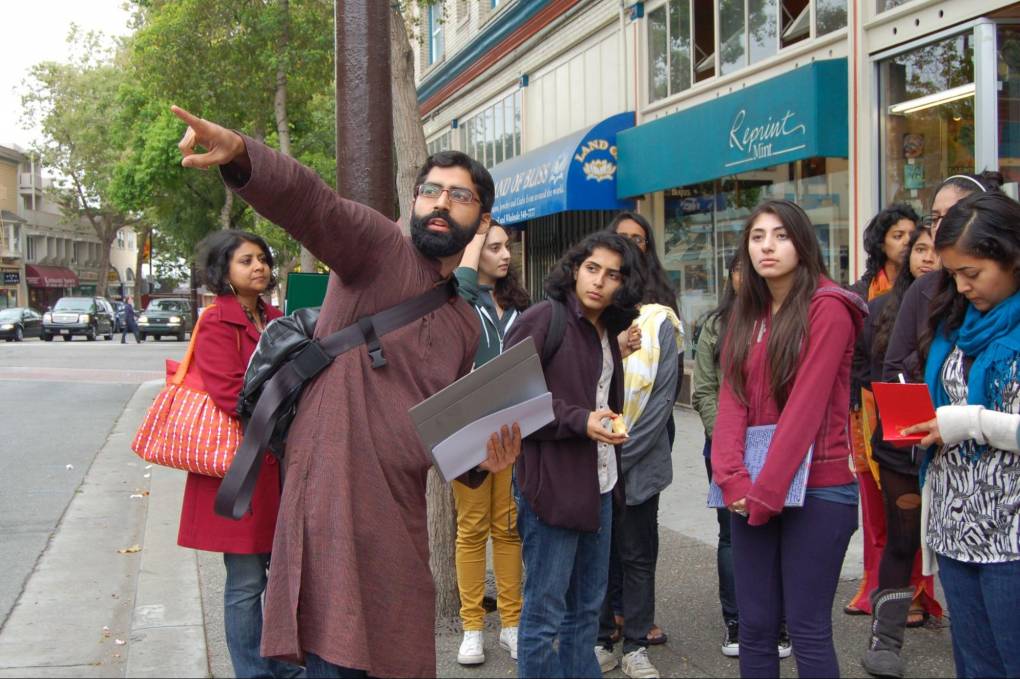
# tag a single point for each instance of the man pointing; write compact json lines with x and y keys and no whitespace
{"x":350,"y":556}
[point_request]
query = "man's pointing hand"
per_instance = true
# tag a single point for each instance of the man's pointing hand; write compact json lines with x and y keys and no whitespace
{"x":223,"y":145}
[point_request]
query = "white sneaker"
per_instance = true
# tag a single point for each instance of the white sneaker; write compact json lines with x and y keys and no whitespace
{"x":472,"y":649}
{"x":508,"y":640}
{"x":637,"y":665}
{"x":607,"y":659}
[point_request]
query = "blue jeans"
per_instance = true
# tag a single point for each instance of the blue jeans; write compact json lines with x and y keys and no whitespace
{"x":723,"y":552}
{"x":790,"y":564}
{"x":984,"y":600}
{"x":323,"y":669}
{"x":567,"y":573}
{"x":242,"y":617}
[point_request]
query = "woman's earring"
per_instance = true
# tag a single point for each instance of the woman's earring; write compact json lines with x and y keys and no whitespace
{"x":232,"y":288}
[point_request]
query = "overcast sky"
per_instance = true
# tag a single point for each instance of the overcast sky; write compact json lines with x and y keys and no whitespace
{"x":36,"y":30}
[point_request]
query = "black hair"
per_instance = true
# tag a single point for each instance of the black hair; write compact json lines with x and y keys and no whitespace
{"x":508,"y":290}
{"x":875,"y":232}
{"x":658,"y":288}
{"x":479,"y":175}
{"x":722,"y":312}
{"x":989,"y":180}
{"x":213,"y":255}
{"x":982,"y":225}
{"x":883,"y":325}
{"x":560,"y":284}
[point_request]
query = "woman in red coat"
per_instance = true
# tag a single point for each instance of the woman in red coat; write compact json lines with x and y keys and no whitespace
{"x":238,"y":266}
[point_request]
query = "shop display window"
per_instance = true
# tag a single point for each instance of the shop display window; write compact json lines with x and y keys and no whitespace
{"x":704,"y":224}
{"x":927,"y":105}
{"x":1008,"y":39}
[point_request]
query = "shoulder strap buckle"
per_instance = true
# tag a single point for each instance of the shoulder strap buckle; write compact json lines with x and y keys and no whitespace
{"x":372,"y":343}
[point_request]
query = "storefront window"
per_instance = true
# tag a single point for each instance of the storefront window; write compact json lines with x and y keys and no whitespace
{"x":1009,"y":101}
{"x":704,"y":223}
{"x":927,"y":105}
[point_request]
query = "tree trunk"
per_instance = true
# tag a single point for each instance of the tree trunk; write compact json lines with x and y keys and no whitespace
{"x":442,"y":521}
{"x":411,"y":152}
{"x":107,"y":237}
{"x":225,"y":211}
{"x":142,"y":234}
{"x":281,"y":275}
{"x":408,"y":134}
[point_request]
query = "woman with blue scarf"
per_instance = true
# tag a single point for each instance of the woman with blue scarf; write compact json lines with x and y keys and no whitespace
{"x":971,"y":474}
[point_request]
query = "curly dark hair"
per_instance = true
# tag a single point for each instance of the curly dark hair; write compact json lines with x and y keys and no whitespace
{"x":887,"y":318}
{"x":982,"y":225}
{"x":508,"y":291}
{"x":560,"y":284}
{"x":479,"y":175}
{"x":213,"y":255}
{"x":658,"y":288}
{"x":875,"y":232}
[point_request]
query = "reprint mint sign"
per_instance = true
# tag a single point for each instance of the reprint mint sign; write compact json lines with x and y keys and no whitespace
{"x":799,"y":114}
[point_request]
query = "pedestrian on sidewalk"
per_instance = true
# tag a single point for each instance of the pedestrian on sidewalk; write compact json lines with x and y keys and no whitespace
{"x":885,"y":242}
{"x":350,"y":556}
{"x":489,"y":282}
{"x":971,"y":489}
{"x":786,"y":362}
{"x":650,"y":387}
{"x":238,"y":267}
{"x":899,"y":571}
{"x":566,"y":478}
{"x":705,"y":399}
{"x":130,"y":324}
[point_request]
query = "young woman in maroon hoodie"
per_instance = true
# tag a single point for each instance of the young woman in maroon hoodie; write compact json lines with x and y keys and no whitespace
{"x":786,"y":362}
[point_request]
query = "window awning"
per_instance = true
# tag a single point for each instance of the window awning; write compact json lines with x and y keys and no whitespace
{"x":577,"y":172}
{"x":50,"y":277}
{"x":11,"y":218}
{"x":800,"y":114}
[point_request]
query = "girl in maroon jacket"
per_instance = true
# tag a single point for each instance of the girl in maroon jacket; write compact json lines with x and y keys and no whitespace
{"x":238,"y":266}
{"x":786,"y":363}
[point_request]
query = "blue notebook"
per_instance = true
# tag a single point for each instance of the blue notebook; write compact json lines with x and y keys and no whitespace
{"x":756,"y":449}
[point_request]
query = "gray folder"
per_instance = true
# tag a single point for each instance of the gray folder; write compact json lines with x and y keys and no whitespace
{"x":507,"y":380}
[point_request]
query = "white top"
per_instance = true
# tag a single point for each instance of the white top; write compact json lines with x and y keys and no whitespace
{"x":607,"y":456}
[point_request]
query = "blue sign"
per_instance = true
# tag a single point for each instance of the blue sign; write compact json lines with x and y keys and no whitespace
{"x":797,"y":115}
{"x":12,"y":277}
{"x":577,"y":172}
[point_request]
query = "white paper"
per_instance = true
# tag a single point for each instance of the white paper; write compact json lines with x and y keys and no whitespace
{"x":756,"y":448}
{"x":465,"y":449}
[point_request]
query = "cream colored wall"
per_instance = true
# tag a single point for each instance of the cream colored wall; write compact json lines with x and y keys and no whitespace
{"x":9,"y":187}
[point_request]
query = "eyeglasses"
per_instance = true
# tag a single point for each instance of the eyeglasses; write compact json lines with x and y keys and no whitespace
{"x":931,"y":221}
{"x":457,"y":194}
{"x":640,"y":240}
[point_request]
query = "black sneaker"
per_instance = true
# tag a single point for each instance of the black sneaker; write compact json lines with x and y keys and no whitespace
{"x":731,"y":645}
{"x":785,"y":646}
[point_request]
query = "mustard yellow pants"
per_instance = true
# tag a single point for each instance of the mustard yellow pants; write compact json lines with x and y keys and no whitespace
{"x":483,"y":512}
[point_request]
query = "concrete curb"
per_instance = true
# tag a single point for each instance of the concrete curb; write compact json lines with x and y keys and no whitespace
{"x":78,"y":602}
{"x":167,"y":627}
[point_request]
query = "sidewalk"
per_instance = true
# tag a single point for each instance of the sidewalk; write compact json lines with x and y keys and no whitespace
{"x":95,"y":607}
{"x":165,"y":603}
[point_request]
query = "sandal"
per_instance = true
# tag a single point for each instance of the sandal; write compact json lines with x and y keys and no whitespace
{"x":850,"y":609}
{"x":916,"y":617}
{"x":656,"y":636}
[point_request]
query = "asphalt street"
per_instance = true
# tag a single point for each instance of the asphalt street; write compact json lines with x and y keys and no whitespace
{"x":59,"y":401}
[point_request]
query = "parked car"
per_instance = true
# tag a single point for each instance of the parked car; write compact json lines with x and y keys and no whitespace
{"x":17,"y":323}
{"x":70,"y":316}
{"x":166,"y":317}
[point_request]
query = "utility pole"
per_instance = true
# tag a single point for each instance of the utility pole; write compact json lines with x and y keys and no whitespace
{"x":364,"y":104}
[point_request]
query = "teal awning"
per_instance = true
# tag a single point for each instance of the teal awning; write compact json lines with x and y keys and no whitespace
{"x":797,"y":115}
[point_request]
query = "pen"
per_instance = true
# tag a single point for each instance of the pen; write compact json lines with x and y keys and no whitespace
{"x":902,"y":379}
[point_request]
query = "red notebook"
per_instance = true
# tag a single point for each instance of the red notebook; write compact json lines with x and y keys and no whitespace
{"x":900,"y":406}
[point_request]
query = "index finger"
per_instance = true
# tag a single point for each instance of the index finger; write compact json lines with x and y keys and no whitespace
{"x":192,"y":120}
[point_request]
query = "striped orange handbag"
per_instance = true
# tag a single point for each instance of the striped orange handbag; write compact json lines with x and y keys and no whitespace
{"x":183,"y":428}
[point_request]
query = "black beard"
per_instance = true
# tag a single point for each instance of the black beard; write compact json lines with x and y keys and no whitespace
{"x":437,"y":245}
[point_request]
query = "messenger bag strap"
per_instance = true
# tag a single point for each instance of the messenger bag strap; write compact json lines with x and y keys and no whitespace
{"x":234,"y":495}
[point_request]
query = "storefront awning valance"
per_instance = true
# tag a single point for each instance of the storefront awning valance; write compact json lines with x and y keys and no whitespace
{"x":50,"y":277}
{"x":797,"y":115}
{"x":11,"y":218}
{"x":577,"y":172}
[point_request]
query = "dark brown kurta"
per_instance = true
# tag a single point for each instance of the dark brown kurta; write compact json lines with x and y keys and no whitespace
{"x":350,"y":579}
